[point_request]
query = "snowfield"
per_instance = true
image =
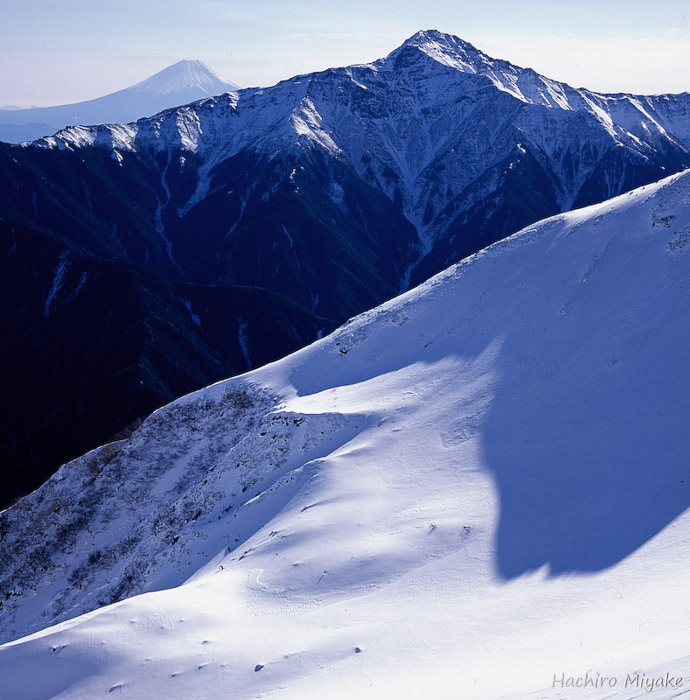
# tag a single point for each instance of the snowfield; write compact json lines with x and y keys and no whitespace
{"x":477,"y":490}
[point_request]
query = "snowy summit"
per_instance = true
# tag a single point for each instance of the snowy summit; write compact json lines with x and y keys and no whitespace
{"x":183,"y":77}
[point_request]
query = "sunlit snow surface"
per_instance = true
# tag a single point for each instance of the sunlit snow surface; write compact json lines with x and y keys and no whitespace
{"x":467,"y":492}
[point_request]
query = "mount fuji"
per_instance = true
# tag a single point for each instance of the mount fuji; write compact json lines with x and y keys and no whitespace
{"x":478,"y":489}
{"x":141,"y":261}
{"x":175,"y":85}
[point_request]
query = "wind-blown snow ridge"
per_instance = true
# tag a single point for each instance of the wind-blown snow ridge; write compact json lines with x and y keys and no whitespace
{"x":382,"y":512}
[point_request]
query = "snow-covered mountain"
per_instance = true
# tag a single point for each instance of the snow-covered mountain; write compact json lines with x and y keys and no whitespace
{"x":478,"y":489}
{"x":321,"y":196}
{"x":175,"y":85}
{"x":439,"y":127}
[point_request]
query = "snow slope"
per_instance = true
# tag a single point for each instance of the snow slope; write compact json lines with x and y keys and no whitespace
{"x":474,"y":490}
{"x":183,"y":82}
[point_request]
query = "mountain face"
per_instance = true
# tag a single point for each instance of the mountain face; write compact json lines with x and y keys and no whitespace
{"x":330,"y":192}
{"x":175,"y":85}
{"x":504,"y":443}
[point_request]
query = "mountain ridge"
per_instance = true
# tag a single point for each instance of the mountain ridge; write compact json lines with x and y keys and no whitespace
{"x":615,"y":114}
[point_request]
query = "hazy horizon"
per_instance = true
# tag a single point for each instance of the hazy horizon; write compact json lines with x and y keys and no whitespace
{"x":73,"y":51}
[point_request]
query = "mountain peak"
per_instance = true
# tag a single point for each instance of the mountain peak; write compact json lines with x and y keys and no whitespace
{"x":185,"y":74}
{"x":433,"y":38}
{"x":447,"y":49}
{"x":425,"y":37}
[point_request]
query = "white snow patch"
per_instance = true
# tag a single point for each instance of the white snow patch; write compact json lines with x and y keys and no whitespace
{"x":193,"y":316}
{"x":58,"y":280}
{"x":292,"y":248}
{"x":243,"y":340}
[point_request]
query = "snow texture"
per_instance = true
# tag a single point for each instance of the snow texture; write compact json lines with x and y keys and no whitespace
{"x":470,"y":491}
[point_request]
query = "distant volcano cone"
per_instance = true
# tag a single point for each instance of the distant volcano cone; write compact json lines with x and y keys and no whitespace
{"x":179,"y":84}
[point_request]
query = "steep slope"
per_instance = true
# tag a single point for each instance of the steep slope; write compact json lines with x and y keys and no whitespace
{"x":487,"y":473}
{"x":92,"y":345}
{"x":183,"y":82}
{"x":334,"y":190}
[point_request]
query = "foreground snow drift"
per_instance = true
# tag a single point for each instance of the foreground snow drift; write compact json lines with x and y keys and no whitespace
{"x":478,"y":490}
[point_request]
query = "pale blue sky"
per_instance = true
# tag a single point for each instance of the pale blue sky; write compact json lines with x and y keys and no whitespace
{"x":58,"y":51}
